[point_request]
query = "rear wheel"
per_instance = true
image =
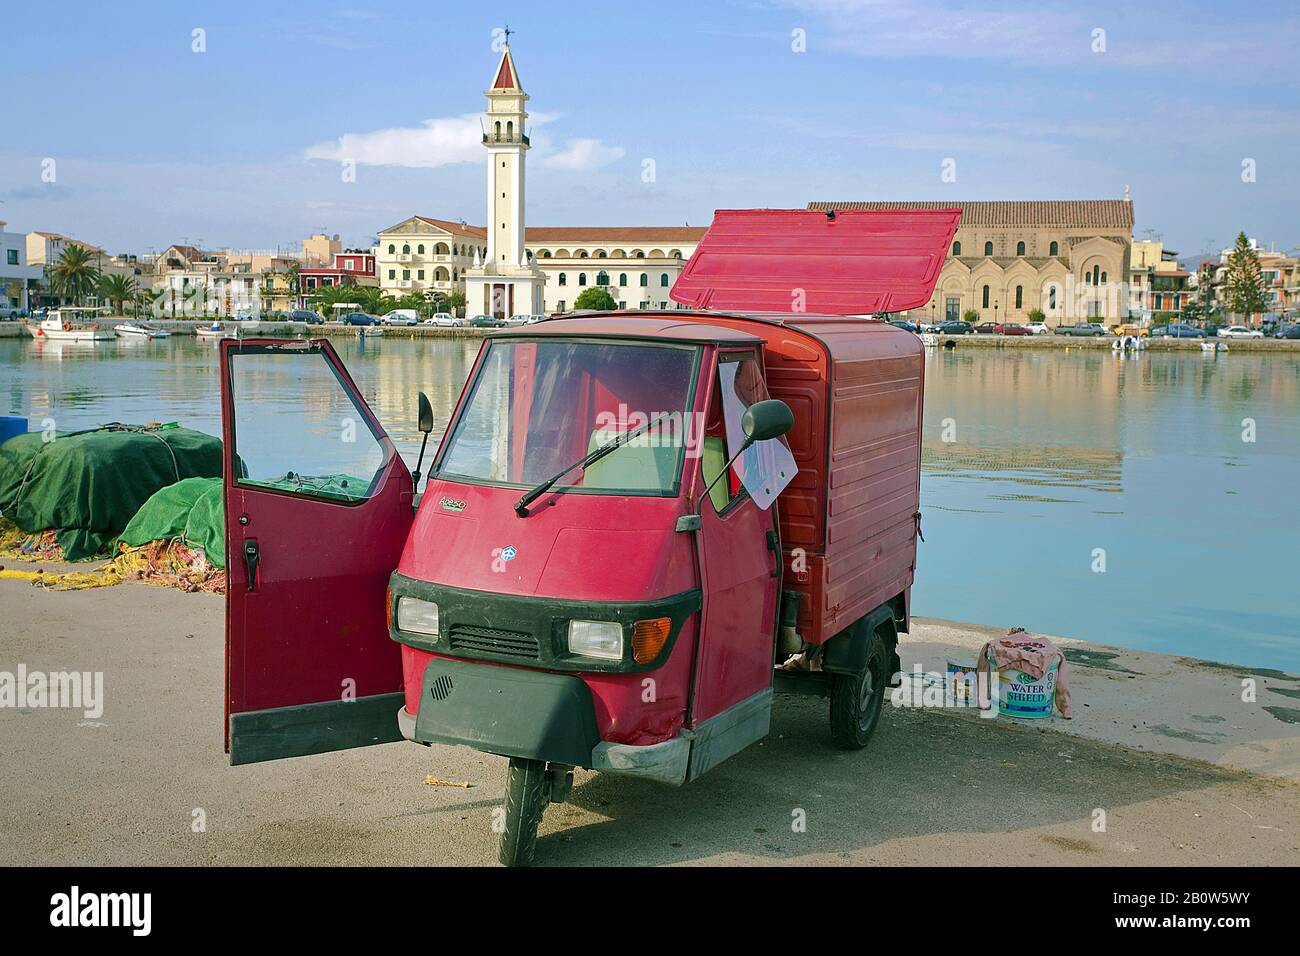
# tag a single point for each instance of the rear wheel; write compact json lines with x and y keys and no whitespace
{"x":856,"y":699}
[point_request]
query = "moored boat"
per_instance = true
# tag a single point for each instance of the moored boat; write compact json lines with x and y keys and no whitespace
{"x":215,"y":331}
{"x":71,"y":325}
{"x":136,"y":330}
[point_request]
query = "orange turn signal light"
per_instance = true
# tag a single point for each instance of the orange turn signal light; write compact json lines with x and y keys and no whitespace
{"x":388,"y":608}
{"x":649,"y":637}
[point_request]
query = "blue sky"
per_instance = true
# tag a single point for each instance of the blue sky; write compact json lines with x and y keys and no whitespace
{"x":240,"y":145}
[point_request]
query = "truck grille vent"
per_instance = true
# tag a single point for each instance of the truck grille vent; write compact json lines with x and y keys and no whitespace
{"x":441,"y":687}
{"x":490,"y":640}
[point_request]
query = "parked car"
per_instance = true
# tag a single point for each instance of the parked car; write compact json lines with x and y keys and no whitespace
{"x":1038,"y":328}
{"x":359,"y":318}
{"x":904,"y":324}
{"x":986,"y":328}
{"x":400,"y":317}
{"x":954,"y":327}
{"x":445,"y":320}
{"x":1241,"y":332}
{"x":487,"y":322}
{"x":245,"y":315}
{"x":1287,"y":332}
{"x":1130,"y":328}
{"x":1083,"y":328}
{"x":534,"y":319}
{"x":1177,"y":330}
{"x":1010,"y":329}
{"x":10,"y":312}
{"x":305,"y":315}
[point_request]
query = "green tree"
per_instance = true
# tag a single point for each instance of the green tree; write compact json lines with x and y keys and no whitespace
{"x":75,"y":275}
{"x":971,"y":316}
{"x":117,"y":289}
{"x":594,"y":297}
{"x":1243,"y":283}
{"x":1036,"y":316}
{"x":456,"y":302}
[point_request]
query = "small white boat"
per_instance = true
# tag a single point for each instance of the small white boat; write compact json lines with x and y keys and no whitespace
{"x":72,"y":325}
{"x":370,"y":332}
{"x":135,"y":330}
{"x":1129,"y":343}
{"x":929,"y":340}
{"x":1214,"y":347}
{"x":215,"y":331}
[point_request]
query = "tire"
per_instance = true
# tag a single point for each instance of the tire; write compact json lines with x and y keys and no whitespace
{"x":527,"y":794}
{"x":857,"y":699}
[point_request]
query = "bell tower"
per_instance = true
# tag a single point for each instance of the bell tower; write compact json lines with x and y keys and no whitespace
{"x":506,"y":284}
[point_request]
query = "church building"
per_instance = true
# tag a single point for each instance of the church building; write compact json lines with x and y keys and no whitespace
{"x":506,"y":269}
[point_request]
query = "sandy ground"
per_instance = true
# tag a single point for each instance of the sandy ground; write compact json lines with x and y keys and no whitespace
{"x":935,"y":787}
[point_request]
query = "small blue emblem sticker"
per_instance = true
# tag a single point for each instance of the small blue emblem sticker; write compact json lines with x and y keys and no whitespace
{"x":508,"y":553}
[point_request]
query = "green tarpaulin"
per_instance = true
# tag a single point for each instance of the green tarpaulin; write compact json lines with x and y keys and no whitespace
{"x":190,"y":510}
{"x":88,"y":485}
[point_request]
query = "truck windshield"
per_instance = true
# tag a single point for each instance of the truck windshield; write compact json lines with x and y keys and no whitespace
{"x":539,"y":405}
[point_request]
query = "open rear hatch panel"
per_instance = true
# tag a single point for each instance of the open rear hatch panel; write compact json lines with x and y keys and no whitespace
{"x":856,"y":262}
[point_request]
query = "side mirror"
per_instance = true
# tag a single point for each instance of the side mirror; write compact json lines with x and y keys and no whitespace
{"x":766,"y":420}
{"x":426,"y":414}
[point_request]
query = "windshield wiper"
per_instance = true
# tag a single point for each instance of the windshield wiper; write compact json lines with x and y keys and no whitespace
{"x":521,"y":506}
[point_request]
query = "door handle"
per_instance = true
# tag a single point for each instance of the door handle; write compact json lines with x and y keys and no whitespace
{"x":252,"y":556}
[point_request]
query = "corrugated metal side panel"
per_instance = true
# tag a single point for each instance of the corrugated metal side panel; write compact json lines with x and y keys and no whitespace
{"x":873,"y":488}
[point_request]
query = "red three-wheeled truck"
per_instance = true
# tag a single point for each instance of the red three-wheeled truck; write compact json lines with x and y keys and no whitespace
{"x":638,"y":526}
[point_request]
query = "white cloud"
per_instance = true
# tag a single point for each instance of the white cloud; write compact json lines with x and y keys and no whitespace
{"x":437,"y":142}
{"x":582,"y":154}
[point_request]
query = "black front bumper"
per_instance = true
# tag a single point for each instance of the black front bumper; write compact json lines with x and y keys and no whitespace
{"x":507,"y":711}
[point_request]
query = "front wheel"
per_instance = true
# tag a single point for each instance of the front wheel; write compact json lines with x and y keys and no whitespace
{"x":527,"y":794}
{"x":856,"y":699}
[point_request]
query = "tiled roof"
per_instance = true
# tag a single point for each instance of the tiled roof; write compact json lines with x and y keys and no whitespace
{"x":1069,"y":213}
{"x":659,"y":235}
{"x":456,"y":228}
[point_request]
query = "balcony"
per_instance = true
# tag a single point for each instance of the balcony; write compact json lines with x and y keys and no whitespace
{"x":503,"y":139}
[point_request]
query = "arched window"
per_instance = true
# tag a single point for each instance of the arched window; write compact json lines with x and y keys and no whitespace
{"x":420,"y":248}
{"x":406,"y":247}
{"x":510,"y":129}
{"x":582,"y":254}
{"x":546,"y":253}
{"x":391,"y":248}
{"x":602,"y":277}
{"x":564,"y":280}
{"x":582,"y":278}
{"x":1051,"y":298}
{"x":676,"y":253}
{"x":1096,"y":274}
{"x":602,"y":254}
{"x":645,"y":279}
{"x":498,"y":132}
{"x":1103,"y":278}
{"x":622,"y":278}
{"x":988,"y":248}
{"x":1020,"y":248}
{"x":986,"y":297}
{"x":956,"y":248}
{"x":1020,"y":297}
{"x":663,"y":279}
{"x":640,"y":254}
{"x":1054,"y":249}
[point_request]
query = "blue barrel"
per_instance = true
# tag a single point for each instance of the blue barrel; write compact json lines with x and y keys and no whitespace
{"x":11,"y":425}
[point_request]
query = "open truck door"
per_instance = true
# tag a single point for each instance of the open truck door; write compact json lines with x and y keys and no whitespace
{"x":318,"y":505}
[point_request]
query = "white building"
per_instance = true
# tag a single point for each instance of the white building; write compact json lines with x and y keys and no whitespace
{"x":16,"y":273}
{"x":508,"y":269}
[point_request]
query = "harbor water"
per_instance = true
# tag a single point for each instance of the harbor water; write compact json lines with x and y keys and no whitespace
{"x":1148,"y":501}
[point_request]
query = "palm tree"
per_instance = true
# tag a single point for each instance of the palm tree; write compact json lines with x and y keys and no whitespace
{"x":117,"y":289}
{"x":74,"y":276}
